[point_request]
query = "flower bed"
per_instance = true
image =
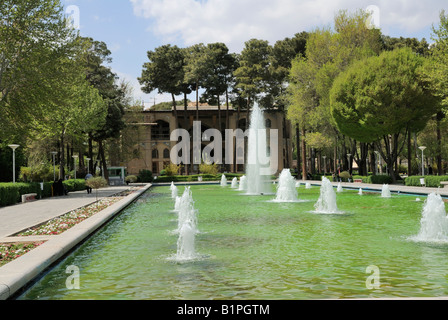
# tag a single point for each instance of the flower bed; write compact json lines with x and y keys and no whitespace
{"x":61,"y":224}
{"x":56,"y":226}
{"x":10,"y":252}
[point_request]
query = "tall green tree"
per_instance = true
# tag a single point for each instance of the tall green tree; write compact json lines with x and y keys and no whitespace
{"x":437,"y":71}
{"x":253,"y":71}
{"x":165,"y":72}
{"x":382,"y":98}
{"x":101,"y":77}
{"x":328,"y":53}
{"x":217,"y":81}
{"x":199,"y":63}
{"x":34,"y":38}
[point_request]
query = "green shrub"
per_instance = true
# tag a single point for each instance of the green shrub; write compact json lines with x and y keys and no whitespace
{"x":172,"y":170}
{"x":145,"y":176}
{"x":208,"y":168}
{"x":9,"y":194}
{"x":379,"y":179}
{"x":430,"y":181}
{"x":75,"y":185}
{"x":131,"y":179}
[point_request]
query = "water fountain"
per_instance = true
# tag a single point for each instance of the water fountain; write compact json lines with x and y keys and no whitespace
{"x":174,"y":191}
{"x":257,"y":183}
{"x":235,"y":183}
{"x":308,"y":185}
{"x":340,"y":189}
{"x":286,"y":191}
{"x":327,"y":200}
{"x":245,"y":232}
{"x":186,"y":243}
{"x":187,"y":227}
{"x":434,"y":222}
{"x":360,"y":192}
{"x":177,"y":204}
{"x":243,"y":183}
{"x":297,"y":184}
{"x":385,"y":193}
{"x":186,"y":211}
{"x":223,"y":181}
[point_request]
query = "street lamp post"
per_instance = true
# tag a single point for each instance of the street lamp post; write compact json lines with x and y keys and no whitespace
{"x":54,"y":153}
{"x":325,"y":164}
{"x":14,"y":147}
{"x":349,"y":157}
{"x":377,"y":156}
{"x":75,"y":157}
{"x":423,"y":159}
{"x":88,"y":164}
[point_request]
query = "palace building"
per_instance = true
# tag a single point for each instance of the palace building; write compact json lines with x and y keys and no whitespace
{"x":152,"y":145}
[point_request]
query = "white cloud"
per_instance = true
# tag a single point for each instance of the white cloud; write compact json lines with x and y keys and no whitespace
{"x":236,"y":21}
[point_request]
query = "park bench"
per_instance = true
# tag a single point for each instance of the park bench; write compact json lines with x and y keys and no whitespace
{"x":29,"y":197}
{"x":444,"y":184}
{"x":357,"y":180}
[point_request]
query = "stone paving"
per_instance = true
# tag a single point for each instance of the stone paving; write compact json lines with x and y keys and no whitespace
{"x":16,"y":218}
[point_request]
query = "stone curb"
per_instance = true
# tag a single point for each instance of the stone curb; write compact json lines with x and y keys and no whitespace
{"x":18,"y":273}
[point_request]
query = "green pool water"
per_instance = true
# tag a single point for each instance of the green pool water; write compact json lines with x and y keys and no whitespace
{"x":255,"y":249}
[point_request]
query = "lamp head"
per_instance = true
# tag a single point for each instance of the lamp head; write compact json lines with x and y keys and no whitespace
{"x":14,"y":146}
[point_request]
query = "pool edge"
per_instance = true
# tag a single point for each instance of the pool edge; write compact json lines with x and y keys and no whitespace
{"x":19,"y":273}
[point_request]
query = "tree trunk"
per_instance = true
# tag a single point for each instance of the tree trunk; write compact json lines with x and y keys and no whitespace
{"x":62,"y":158}
{"x":187,"y":127}
{"x":298,"y":148}
{"x":409,"y":154}
{"x":219,"y":115}
{"x":197,"y":101}
{"x":227,"y":111}
{"x":91,"y":162}
{"x":103,"y":160}
{"x":175,"y":110}
{"x":304,"y":169}
{"x":440,"y":117}
{"x":247,"y":114}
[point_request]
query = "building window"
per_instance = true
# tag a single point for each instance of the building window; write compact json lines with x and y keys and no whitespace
{"x":161,"y":131}
{"x":268,"y":123}
{"x":166,"y":154}
{"x":155,"y":154}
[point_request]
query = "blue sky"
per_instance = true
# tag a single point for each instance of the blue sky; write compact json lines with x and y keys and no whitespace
{"x":132,"y":27}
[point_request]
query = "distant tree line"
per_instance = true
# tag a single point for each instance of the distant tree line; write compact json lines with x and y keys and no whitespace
{"x":352,"y":93}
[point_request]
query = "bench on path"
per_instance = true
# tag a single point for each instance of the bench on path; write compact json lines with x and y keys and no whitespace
{"x":444,"y":184}
{"x":29,"y":197}
{"x":357,"y":180}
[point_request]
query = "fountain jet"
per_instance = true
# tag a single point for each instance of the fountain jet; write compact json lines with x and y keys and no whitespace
{"x":243,"y":183}
{"x":434,"y":222}
{"x":385,"y":193}
{"x":286,"y":191}
{"x":223,"y":181}
{"x":327,"y":200}
{"x":257,"y":183}
{"x":235,"y":183}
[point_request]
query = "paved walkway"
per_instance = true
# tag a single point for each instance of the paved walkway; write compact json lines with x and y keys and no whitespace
{"x":14,"y":219}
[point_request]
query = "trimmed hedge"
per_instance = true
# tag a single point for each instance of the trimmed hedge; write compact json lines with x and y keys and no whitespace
{"x":75,"y":185}
{"x":11,"y":193}
{"x":379,"y":179}
{"x":192,"y":178}
{"x":430,"y":181}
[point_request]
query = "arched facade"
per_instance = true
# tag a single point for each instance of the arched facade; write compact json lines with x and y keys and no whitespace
{"x":155,"y":145}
